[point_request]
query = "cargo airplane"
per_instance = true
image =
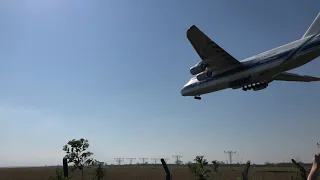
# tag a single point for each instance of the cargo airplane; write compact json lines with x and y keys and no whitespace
{"x":219,"y":70}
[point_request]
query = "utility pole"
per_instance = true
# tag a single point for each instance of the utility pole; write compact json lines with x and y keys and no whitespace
{"x":155,"y":160}
{"x":177,"y":157}
{"x":143,"y":160}
{"x":230,"y":154}
{"x":119,"y":160}
{"x":130,"y":159}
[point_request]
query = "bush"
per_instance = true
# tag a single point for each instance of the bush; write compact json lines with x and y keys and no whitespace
{"x":199,"y":168}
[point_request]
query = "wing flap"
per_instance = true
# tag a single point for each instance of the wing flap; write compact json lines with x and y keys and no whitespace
{"x":209,"y":51}
{"x":295,"y":77}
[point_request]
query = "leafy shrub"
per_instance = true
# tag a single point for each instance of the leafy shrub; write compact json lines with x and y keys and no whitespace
{"x":200,"y":168}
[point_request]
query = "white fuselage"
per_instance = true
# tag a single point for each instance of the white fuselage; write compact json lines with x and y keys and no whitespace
{"x":261,"y":67}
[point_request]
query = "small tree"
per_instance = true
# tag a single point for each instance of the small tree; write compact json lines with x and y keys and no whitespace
{"x":77,"y":154}
{"x":98,"y":172}
{"x":199,"y":168}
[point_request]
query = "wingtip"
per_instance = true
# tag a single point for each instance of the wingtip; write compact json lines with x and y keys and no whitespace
{"x":191,"y":28}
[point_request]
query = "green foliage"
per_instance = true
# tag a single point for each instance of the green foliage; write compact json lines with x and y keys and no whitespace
{"x":76,"y":153}
{"x":98,"y":172}
{"x":59,"y":176}
{"x":96,"y":163}
{"x":200,"y":168}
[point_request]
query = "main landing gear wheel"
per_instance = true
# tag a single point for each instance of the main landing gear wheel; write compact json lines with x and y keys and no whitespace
{"x":197,"y":97}
{"x":255,"y":86}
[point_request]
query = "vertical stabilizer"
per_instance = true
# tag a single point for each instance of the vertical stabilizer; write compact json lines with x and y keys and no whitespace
{"x":314,"y":28}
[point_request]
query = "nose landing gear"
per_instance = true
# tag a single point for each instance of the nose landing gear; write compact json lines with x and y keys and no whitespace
{"x":197,"y":97}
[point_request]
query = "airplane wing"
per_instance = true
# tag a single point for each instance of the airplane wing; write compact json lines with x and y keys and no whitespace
{"x":294,"y":77}
{"x":210,"y":52}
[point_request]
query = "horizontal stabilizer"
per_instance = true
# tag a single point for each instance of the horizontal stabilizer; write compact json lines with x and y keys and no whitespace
{"x":294,"y":77}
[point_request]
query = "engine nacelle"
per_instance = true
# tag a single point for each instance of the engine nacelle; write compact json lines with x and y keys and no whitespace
{"x":198,"y":68}
{"x":204,"y":75}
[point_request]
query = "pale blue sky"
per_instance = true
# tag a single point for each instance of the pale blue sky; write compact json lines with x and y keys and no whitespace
{"x":111,"y":72}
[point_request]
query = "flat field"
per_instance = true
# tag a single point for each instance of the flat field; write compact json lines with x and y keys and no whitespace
{"x":151,"y":173}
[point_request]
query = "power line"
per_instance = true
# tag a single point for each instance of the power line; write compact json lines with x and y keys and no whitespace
{"x":230,"y":154}
{"x":177,"y":157}
{"x":119,"y":160}
{"x":155,"y":160}
{"x":166,"y":159}
{"x":144,"y":160}
{"x":131,"y":159}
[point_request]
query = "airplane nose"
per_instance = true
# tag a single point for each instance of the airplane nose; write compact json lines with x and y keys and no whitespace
{"x":183,"y":91}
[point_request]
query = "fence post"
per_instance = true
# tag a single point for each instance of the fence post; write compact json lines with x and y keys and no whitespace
{"x":245,"y":173}
{"x":166,"y":169}
{"x":303,"y":173}
{"x":65,"y":167}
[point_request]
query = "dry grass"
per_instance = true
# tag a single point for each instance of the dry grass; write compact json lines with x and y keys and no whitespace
{"x":150,"y":173}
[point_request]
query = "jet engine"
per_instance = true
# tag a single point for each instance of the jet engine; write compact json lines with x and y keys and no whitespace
{"x":204,"y":75}
{"x":198,"y":68}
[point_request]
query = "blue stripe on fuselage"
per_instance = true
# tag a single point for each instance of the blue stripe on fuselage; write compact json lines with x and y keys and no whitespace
{"x":254,"y":64}
{"x":298,"y":49}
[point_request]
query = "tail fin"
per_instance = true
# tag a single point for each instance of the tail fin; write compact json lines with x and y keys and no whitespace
{"x":314,"y":28}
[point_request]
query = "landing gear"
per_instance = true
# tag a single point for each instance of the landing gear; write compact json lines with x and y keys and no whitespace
{"x":248,"y":87}
{"x":197,"y":97}
{"x":256,"y":86}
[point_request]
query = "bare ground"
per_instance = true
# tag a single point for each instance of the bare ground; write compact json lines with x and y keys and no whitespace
{"x":149,"y":173}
